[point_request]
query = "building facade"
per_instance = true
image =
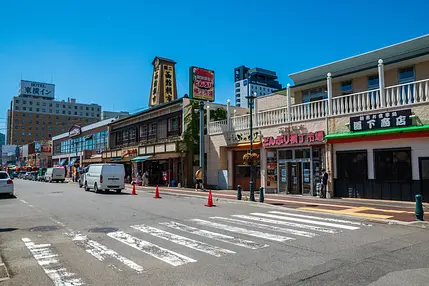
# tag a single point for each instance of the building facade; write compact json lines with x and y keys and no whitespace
{"x":81,"y":146}
{"x":253,"y":80}
{"x":112,"y":114}
{"x":34,"y":117}
{"x":364,"y":119}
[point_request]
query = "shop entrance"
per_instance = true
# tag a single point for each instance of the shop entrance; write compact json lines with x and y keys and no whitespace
{"x":299,"y":170}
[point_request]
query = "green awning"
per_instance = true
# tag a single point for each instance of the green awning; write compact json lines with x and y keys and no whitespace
{"x":377,"y":132}
{"x":140,"y":159}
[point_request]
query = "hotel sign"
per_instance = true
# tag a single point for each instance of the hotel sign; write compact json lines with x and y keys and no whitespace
{"x":294,"y":139}
{"x":383,"y":120}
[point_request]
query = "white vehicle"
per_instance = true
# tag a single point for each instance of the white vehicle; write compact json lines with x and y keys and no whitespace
{"x":105,"y":177}
{"x":6,"y":184}
{"x":55,"y":175}
{"x":82,"y":177}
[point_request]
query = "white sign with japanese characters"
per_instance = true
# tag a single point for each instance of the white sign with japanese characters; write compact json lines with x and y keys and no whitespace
{"x":39,"y":89}
{"x":399,"y":118}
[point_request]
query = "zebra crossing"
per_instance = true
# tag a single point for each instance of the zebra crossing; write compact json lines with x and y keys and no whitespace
{"x":253,"y":231}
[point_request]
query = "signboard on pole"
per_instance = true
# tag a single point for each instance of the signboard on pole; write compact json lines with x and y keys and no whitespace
{"x":201,"y":84}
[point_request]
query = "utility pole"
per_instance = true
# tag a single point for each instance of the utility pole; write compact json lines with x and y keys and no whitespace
{"x":202,"y":149}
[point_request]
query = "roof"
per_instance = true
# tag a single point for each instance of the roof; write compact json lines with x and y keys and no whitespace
{"x":163,"y":59}
{"x":87,"y":127}
{"x":150,"y":109}
{"x":408,"y":49}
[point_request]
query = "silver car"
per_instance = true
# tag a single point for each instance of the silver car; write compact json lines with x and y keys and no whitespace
{"x":6,"y":184}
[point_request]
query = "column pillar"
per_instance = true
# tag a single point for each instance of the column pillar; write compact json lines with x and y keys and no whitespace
{"x":329,"y":87}
{"x":228,"y":114}
{"x":288,"y":95}
{"x":208,"y":118}
{"x":381,"y":83}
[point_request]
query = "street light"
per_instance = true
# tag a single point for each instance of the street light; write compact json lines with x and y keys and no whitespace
{"x":250,"y":101}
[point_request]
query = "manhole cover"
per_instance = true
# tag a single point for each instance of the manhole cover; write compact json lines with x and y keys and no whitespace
{"x":103,"y":229}
{"x":44,"y":228}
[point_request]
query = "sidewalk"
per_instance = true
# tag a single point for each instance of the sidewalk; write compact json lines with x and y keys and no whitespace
{"x":364,"y":208}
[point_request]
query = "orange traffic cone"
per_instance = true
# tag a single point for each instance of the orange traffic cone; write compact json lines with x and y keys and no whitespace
{"x":134,"y":190}
{"x":210,"y":200}
{"x":157,"y":196}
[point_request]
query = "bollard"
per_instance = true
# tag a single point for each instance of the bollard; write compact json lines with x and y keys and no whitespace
{"x":419,"y":207}
{"x":239,"y":192}
{"x":261,"y":194}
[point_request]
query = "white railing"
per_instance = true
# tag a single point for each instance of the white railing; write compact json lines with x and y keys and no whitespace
{"x":394,"y":96}
{"x":220,"y":126}
{"x":408,"y":93}
{"x":272,"y":117}
{"x":241,"y":122}
{"x":309,"y":110}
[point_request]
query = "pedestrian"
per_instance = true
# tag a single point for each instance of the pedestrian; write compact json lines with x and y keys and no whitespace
{"x":324,"y":179}
{"x":139,"y":178}
{"x":146,"y":178}
{"x":199,"y":179}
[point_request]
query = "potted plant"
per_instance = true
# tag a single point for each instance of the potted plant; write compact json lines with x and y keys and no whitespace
{"x":251,"y":159}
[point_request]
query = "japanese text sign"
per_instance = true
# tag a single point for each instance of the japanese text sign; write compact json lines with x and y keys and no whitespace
{"x":294,"y":139}
{"x":201,"y":84}
{"x":30,"y":88}
{"x":154,"y":91}
{"x":168,"y":83}
{"x":400,"y":118}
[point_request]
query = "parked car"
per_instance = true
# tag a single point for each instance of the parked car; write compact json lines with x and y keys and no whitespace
{"x":27,"y":176}
{"x":55,"y":175}
{"x":6,"y":184}
{"x":105,"y":177}
{"x":41,"y":174}
{"x":21,"y":174}
{"x":82,"y":177}
{"x":34,"y":175}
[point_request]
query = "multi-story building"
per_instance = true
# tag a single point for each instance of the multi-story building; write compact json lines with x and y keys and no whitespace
{"x":34,"y":117}
{"x":81,"y":146}
{"x":253,"y":80}
{"x":2,"y":139}
{"x":112,"y":114}
{"x":364,"y":119}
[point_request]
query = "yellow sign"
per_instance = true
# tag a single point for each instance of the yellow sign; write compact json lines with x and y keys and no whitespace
{"x":169,"y":87}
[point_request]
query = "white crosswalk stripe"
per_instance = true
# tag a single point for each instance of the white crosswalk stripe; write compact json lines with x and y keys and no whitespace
{"x":160,"y":253}
{"x":216,"y":236}
{"x":181,"y":240}
{"x":48,"y":260}
{"x":328,"y":224}
{"x":292,"y":224}
{"x":245,"y":231}
{"x":321,"y":218}
{"x":267,"y":227}
{"x":100,"y":251}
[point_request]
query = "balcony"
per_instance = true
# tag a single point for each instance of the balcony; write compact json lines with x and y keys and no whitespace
{"x":402,"y":95}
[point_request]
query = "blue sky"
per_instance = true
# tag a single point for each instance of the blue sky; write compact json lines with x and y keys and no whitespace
{"x":101,"y":51}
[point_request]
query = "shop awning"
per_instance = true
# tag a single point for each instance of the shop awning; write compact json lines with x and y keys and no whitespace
{"x":140,"y":159}
{"x":63,"y":161}
{"x":118,"y":159}
{"x":244,"y":146}
{"x":378,"y":132}
{"x":72,"y":161}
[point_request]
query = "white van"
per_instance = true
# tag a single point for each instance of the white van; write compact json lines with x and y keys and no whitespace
{"x":55,"y":175}
{"x":105,"y":177}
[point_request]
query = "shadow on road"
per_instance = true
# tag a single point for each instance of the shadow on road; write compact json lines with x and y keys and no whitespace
{"x":8,"y":229}
{"x":7,"y":196}
{"x":113,"y":193}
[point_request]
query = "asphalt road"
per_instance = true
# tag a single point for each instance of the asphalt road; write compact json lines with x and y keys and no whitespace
{"x":58,"y":234}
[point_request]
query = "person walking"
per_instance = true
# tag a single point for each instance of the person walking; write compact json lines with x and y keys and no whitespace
{"x":324,"y":179}
{"x":146,"y":178}
{"x":199,"y":179}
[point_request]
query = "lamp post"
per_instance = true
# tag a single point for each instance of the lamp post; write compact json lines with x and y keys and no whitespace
{"x":251,"y":100}
{"x":202,"y":151}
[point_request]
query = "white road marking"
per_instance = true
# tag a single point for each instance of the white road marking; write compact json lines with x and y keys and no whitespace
{"x":50,"y":264}
{"x":213,"y":235}
{"x":254,"y":233}
{"x":308,"y":221}
{"x":160,"y":253}
{"x":267,"y":227}
{"x":100,"y":251}
{"x":25,"y":202}
{"x":292,"y":224}
{"x":181,"y":240}
{"x":321,"y":218}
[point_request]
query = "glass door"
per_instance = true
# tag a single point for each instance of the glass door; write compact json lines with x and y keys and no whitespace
{"x":295,"y":178}
{"x":306,"y":178}
{"x":283,"y":186}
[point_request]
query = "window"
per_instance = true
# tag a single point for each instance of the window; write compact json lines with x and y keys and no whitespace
{"x":29,"y":133}
{"x":143,"y":133}
{"x":23,"y":134}
{"x":23,"y":120}
{"x":87,"y":108}
{"x":75,"y":113}
{"x":37,"y":103}
{"x":69,"y":106}
{"x":50,"y":110}
{"x":24,"y":102}
{"x":352,"y":165}
{"x":81,"y":113}
{"x":16,"y":100}
{"x":16,"y":107}
{"x":346,"y":87}
{"x":43,"y":109}
{"x":81,"y":108}
{"x":64,"y":106}
{"x":237,"y":84}
{"x":125,"y":136}
{"x":373,"y":82}
{"x":31,"y":108}
{"x":173,"y":125}
{"x":37,"y":134}
{"x":58,"y":105}
{"x":98,"y":115}
{"x":30,"y":102}
{"x":24,"y":108}
{"x":152,"y":131}
{"x":69,"y":112}
{"x":64,"y":112}
{"x":57,"y":111}
{"x":37,"y":128}
{"x":98,"y":109}
{"x":92,"y":114}
{"x":43,"y":103}
{"x":23,"y":114}
{"x":133,"y":135}
{"x":406,"y":75}
{"x":37,"y":110}
{"x":314,"y":94}
{"x":393,"y":165}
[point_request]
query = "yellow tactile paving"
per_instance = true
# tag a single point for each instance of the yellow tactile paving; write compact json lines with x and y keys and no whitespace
{"x":345,"y":212}
{"x":374,"y":200}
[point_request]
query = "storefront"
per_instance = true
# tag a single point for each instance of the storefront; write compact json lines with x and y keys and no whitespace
{"x":384,"y":156}
{"x":241,"y":171}
{"x":294,"y":162}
